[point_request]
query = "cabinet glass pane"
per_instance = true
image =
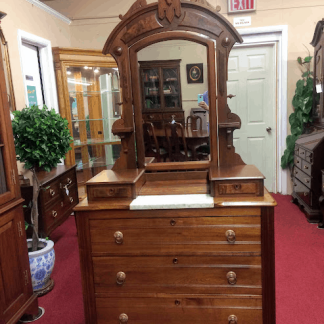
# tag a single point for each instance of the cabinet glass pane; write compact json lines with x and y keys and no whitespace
{"x":92,"y":159}
{"x":151,"y":86}
{"x":3,"y":183}
{"x":95,"y":104}
{"x":171,"y":88}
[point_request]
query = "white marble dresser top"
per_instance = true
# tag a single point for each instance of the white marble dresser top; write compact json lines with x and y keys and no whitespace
{"x":172,"y":202}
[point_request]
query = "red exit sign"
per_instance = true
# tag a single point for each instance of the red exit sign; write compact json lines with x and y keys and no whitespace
{"x":241,"y":5}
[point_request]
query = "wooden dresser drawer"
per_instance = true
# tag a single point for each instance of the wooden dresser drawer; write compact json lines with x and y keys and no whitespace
{"x":303,"y":177}
{"x":177,"y":115}
{"x":173,"y":310}
{"x":178,"y":274}
{"x":53,"y":213}
{"x":301,"y":153}
{"x":239,"y":187}
{"x":306,"y":167}
{"x":54,"y":189}
{"x":303,"y":192}
{"x":152,"y":117}
{"x":298,"y":161}
{"x":176,"y":235}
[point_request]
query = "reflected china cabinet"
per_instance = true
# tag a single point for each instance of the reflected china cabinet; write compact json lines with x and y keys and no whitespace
{"x":90,"y":99}
{"x":161,"y":91}
{"x":16,"y":292}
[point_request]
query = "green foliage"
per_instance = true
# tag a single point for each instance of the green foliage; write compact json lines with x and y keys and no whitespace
{"x":302,"y":115}
{"x":41,"y":137}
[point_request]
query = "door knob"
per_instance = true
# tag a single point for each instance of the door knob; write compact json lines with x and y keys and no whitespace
{"x":268,"y":129}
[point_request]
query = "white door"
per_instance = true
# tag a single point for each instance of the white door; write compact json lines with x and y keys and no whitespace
{"x":252,"y":78}
{"x":32,"y":75}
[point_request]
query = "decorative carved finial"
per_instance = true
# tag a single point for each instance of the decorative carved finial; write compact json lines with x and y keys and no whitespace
{"x":137,"y":4}
{"x":226,"y":42}
{"x":168,"y":9}
{"x":118,"y":50}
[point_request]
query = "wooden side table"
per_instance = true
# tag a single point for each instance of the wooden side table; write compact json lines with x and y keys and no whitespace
{"x":58,"y":196}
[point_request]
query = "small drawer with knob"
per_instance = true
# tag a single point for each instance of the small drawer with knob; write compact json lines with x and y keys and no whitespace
{"x":152,"y":117}
{"x":176,"y":235}
{"x":175,"y":310}
{"x":303,"y":177}
{"x":239,"y":188}
{"x":297,"y":161}
{"x":178,"y":274}
{"x":306,"y":167}
{"x":302,"y":153}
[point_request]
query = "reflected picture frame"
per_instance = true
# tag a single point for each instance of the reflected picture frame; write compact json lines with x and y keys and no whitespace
{"x":195,"y":73}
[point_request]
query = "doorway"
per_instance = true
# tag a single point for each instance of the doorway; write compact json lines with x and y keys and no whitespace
{"x":262,"y":58}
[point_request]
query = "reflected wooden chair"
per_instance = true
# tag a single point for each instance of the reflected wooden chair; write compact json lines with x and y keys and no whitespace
{"x":177,"y":146}
{"x":152,"y":147}
{"x":194,"y":122}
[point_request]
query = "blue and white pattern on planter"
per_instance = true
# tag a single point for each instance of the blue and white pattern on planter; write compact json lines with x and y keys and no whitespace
{"x":41,"y":266}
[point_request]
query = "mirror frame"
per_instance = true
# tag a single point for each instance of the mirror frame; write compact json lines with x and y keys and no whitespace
{"x":145,"y":24}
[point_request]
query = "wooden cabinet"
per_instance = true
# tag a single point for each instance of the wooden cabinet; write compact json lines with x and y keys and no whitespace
{"x":176,"y":242}
{"x":318,"y":99}
{"x":58,"y":196}
{"x":16,"y":292}
{"x":180,"y":265}
{"x":308,"y":163}
{"x":161,"y":92}
{"x":90,"y":99}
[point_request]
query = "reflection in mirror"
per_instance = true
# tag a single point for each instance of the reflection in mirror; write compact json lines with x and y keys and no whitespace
{"x":174,"y":89}
{"x":7,"y":68}
{"x":94,"y":95}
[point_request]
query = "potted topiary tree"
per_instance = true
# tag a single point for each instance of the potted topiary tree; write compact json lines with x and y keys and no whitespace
{"x":42,"y":139}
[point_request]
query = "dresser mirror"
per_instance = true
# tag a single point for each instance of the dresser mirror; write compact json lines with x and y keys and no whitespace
{"x":167,"y":98}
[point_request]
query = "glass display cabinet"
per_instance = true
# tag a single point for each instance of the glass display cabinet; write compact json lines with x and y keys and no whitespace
{"x":161,"y":91}
{"x":90,"y":99}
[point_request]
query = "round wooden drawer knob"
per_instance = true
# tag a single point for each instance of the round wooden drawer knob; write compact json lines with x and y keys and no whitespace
{"x":119,"y":237}
{"x":52,"y":192}
{"x":71,"y":200}
{"x":121,"y":277}
{"x":123,"y":318}
{"x":230,"y":235}
{"x":54,"y":213}
{"x":231,"y":278}
{"x":232,"y":319}
{"x":172,"y":222}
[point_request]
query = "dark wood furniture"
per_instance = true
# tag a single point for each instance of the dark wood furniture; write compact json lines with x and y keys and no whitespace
{"x":318,"y":100}
{"x":308,"y":163}
{"x":57,"y":198}
{"x":177,"y":262}
{"x":152,"y":146}
{"x":161,"y":92}
{"x":16,"y":292}
{"x":194,"y":122}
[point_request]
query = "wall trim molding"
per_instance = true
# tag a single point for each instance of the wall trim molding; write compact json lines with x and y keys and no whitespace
{"x":50,"y":10}
{"x":279,"y":35}
{"x":47,"y":67}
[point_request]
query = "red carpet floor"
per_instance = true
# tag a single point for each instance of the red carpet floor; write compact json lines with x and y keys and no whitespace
{"x":299,"y":271}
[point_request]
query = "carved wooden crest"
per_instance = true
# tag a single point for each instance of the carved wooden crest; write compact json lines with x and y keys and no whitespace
{"x":168,"y":9}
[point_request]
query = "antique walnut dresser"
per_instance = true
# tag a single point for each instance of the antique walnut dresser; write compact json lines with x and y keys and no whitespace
{"x":183,"y":242}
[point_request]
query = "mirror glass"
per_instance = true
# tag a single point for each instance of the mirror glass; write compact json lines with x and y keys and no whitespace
{"x":174,"y":86}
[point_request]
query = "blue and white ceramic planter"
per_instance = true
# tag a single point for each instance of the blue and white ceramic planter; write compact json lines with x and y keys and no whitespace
{"x":41,"y":263}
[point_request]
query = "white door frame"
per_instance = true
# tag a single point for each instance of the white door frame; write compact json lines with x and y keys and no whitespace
{"x":47,"y":67}
{"x":275,"y":35}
